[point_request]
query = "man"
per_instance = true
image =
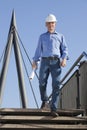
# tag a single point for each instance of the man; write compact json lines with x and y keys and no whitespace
{"x":52,"y":51}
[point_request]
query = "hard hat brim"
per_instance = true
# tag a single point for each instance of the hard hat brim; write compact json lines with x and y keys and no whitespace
{"x":50,"y":21}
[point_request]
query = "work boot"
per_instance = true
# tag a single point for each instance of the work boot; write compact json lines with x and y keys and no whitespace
{"x":54,"y":113}
{"x":45,"y":105}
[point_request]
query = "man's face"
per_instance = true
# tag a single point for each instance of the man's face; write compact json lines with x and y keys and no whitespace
{"x":51,"y":26}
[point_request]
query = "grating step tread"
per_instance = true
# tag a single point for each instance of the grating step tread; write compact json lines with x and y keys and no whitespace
{"x":39,"y":112}
{"x":41,"y":126}
{"x":42,"y":119}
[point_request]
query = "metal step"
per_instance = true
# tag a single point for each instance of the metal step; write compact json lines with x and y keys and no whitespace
{"x":39,"y":112}
{"x":41,"y":119}
{"x":42,"y":127}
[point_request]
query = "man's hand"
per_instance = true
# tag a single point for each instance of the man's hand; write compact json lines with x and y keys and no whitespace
{"x":63,"y":63}
{"x":34,"y":65}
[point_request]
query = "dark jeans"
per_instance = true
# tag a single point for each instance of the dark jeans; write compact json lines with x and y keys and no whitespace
{"x":53,"y":67}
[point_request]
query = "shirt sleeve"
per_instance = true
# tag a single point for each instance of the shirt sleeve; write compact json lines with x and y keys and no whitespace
{"x":37,"y":55}
{"x":64,"y":48}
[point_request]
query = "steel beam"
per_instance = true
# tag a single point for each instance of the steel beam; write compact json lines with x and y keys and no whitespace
{"x":19,"y":67}
{"x":5,"y":65}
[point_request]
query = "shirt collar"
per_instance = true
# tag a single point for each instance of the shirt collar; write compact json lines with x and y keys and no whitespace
{"x":53,"y":32}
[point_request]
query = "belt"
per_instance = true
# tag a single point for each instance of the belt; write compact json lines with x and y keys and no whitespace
{"x":50,"y":58}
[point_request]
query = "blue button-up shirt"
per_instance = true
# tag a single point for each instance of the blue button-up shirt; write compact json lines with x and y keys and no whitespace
{"x":51,"y":44}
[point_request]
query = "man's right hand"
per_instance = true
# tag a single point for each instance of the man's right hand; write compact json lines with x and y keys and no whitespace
{"x":34,"y":65}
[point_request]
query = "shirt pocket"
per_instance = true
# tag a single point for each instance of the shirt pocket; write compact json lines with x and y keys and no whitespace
{"x":57,"y":44}
{"x":45,"y":45}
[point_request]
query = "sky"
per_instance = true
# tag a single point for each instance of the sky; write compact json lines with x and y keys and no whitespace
{"x":30,"y":18}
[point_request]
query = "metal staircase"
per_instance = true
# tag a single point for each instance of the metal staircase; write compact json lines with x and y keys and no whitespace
{"x":24,"y":119}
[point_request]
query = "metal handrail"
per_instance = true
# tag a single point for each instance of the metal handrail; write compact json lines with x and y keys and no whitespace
{"x":74,"y":65}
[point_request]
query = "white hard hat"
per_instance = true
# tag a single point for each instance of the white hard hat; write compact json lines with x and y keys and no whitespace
{"x":51,"y":18}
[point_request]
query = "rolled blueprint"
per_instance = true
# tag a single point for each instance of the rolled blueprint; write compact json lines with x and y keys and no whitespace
{"x":32,"y":74}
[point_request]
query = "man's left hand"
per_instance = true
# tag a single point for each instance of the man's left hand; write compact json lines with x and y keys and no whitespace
{"x":63,"y":63}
